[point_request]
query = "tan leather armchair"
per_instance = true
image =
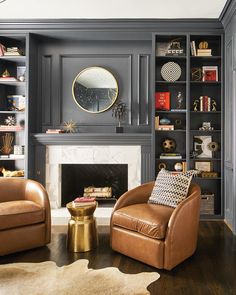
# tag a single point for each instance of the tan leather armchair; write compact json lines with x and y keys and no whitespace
{"x":158,"y":235}
{"x":25,"y":218}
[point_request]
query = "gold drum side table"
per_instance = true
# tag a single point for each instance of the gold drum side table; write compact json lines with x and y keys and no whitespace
{"x":82,"y":229}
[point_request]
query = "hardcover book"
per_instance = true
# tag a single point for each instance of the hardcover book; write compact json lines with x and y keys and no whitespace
{"x":162,"y":101}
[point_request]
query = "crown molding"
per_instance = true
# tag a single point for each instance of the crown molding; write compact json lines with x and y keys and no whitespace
{"x":228,"y":12}
{"x":141,"y":25}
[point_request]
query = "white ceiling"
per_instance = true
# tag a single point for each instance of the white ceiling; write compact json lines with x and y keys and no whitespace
{"x":111,"y":8}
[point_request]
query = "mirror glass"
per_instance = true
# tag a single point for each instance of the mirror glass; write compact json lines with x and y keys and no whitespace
{"x":95,"y":89}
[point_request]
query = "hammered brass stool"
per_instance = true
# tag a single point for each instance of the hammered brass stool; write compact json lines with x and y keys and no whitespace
{"x":82,"y":229}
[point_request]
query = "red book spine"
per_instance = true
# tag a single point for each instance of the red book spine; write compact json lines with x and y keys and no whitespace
{"x":162,"y":101}
{"x":205,"y":103}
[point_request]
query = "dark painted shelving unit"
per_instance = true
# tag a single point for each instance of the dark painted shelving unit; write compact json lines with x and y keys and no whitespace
{"x":192,"y":119}
{"x":14,"y":88}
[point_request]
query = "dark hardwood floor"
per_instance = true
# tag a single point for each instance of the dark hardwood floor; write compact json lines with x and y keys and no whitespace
{"x":211,"y":270}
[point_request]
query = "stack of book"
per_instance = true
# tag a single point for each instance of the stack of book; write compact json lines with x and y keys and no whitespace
{"x":204,"y":52}
{"x":162,"y":127}
{"x":205,"y":103}
{"x":165,"y":127}
{"x":11,"y":128}
{"x":15,"y":156}
{"x":170,"y":156}
{"x":13,"y":51}
{"x":55,"y":131}
{"x":8,"y":79}
{"x":82,"y":201}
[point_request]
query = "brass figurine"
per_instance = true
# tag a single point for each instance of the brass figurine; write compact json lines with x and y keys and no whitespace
{"x":213,"y":105}
{"x":195,"y":105}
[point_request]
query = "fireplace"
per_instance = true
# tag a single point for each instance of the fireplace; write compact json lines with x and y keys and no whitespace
{"x":127,"y":157}
{"x":76,"y":177}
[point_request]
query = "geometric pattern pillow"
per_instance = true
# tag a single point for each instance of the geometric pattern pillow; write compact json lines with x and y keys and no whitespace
{"x":171,"y":189}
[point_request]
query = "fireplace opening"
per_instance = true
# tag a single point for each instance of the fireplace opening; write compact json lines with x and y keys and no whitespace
{"x":77,"y":177}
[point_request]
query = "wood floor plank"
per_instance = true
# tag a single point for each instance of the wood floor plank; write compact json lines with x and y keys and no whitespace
{"x":211,"y":270}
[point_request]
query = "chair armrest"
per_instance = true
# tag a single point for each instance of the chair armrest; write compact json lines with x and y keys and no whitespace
{"x":35,"y":192}
{"x":137,"y":195}
{"x":182,"y":231}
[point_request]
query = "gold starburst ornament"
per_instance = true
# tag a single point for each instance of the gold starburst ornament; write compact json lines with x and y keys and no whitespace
{"x":70,"y":126}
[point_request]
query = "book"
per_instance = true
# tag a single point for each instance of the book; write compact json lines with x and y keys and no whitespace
{"x":204,"y":52}
{"x":171,"y":157}
{"x":4,"y":156}
{"x":184,"y":167}
{"x":162,"y":101}
{"x":178,"y":110}
{"x":9,"y":53}
{"x":8,"y":79}
{"x":13,"y":156}
{"x":170,"y":154}
{"x":55,"y":131}
{"x":11,"y":128}
{"x":165,"y":127}
{"x":193,"y":48}
{"x":157,"y":122}
{"x":83,"y":200}
{"x":2,"y":49}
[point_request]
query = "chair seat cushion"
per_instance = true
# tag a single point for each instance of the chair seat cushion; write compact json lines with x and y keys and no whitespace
{"x":20,"y":213}
{"x":147,"y":219}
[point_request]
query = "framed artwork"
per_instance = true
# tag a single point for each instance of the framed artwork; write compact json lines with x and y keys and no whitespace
{"x":200,"y":145}
{"x":210,"y":73}
{"x":203,"y":166}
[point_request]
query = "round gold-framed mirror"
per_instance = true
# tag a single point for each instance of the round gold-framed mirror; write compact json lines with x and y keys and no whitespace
{"x":95,"y":89}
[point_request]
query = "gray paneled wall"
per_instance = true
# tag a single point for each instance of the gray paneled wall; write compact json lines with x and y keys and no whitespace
{"x":229,"y":21}
{"x":61,"y":61}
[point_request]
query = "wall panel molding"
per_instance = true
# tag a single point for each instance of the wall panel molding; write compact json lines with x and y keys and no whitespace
{"x":47,"y":89}
{"x":143,"y":97}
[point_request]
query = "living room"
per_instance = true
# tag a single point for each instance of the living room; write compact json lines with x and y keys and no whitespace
{"x":97,"y":101}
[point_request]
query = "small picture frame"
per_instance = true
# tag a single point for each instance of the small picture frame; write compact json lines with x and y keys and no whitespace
{"x":203,"y":166}
{"x":210,"y":73}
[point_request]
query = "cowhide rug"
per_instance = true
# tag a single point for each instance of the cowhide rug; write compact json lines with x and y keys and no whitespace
{"x":47,"y":278}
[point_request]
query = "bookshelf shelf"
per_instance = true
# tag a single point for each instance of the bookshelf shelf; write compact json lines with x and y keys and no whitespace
{"x":15,"y":58}
{"x":167,"y":82}
{"x":12,"y":112}
{"x":13,"y":83}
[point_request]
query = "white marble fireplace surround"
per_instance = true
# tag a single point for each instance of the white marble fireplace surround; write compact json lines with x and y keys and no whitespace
{"x":56,"y":155}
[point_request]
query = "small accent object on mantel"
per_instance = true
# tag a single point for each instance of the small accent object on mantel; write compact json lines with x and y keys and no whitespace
{"x":119,"y":112}
{"x":70,"y":127}
{"x":10,"y":121}
{"x":55,"y":131}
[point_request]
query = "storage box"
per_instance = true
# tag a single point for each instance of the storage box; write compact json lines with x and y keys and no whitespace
{"x":207,"y":204}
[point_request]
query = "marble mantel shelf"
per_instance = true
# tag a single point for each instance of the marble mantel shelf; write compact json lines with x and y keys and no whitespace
{"x":142,"y":139}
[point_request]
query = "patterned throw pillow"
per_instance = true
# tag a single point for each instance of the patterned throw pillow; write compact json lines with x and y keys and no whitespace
{"x":171,"y":189}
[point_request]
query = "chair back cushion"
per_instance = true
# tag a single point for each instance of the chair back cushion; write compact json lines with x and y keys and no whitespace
{"x":171,"y":189}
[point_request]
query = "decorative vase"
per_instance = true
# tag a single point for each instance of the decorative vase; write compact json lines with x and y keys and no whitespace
{"x":119,"y":129}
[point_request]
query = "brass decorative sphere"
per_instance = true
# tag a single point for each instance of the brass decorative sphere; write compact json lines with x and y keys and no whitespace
{"x":169,"y":145}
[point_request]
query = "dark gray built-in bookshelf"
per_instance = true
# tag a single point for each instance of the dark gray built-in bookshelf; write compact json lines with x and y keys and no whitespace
{"x":200,"y":85}
{"x":13,"y":106}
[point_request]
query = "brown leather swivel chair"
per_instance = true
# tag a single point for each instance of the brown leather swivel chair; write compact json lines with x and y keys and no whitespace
{"x":25,"y":219}
{"x":158,"y":235}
